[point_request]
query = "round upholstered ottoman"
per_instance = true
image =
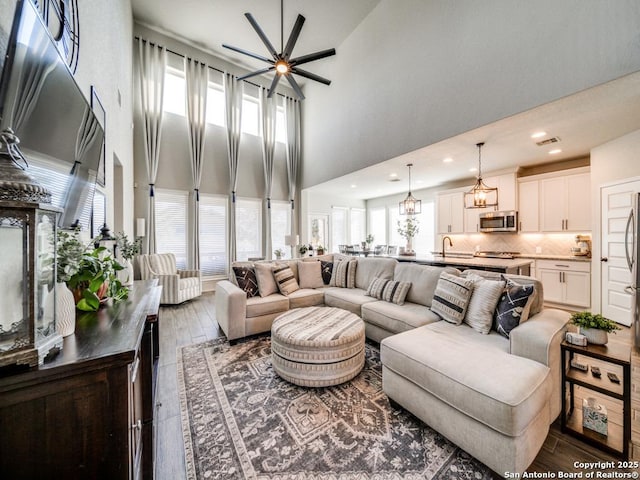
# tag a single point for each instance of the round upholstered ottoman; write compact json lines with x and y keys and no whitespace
{"x":317,"y":346}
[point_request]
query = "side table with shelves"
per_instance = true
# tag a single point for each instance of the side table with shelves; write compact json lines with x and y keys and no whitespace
{"x":610,"y":358}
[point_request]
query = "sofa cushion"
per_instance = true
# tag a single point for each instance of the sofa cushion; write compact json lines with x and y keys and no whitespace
{"x":397,"y":318}
{"x":423,"y":279}
{"x":266,"y":282}
{"x":513,"y":307}
{"x":482,"y":305}
{"x":344,"y":274}
{"x":388,"y":290}
{"x":350,"y":299}
{"x":310,"y":274}
{"x":287,"y":283}
{"x":503,"y":391}
{"x":369,"y":268}
{"x":246,"y":280}
{"x":258,"y":306}
{"x":451,"y":297}
{"x":305,"y":297}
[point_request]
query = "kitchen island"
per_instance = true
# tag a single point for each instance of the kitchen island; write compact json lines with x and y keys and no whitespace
{"x":518,"y":266}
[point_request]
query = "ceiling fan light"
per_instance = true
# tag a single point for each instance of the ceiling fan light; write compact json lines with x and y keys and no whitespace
{"x":282,"y":67}
{"x":481,"y":195}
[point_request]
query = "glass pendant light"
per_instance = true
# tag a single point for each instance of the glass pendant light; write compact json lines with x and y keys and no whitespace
{"x":481,"y":195}
{"x":410,"y":205}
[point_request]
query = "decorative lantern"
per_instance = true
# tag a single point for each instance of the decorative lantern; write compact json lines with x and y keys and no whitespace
{"x":28,"y":238}
{"x":106,"y":240}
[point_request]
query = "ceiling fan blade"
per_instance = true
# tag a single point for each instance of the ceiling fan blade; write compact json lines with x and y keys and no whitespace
{"x":311,"y":76}
{"x":262,"y":35}
{"x":295,"y":86}
{"x":274,"y":84}
{"x":293,"y":37}
{"x":246,"y":52}
{"x":313,"y":56}
{"x":257,"y":72}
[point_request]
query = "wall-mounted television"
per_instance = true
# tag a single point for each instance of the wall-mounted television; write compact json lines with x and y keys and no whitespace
{"x":58,"y":131}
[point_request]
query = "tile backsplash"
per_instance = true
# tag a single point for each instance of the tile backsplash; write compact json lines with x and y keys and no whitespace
{"x":524,"y":243}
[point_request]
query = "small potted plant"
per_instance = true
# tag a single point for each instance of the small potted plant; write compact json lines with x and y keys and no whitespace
{"x":302,"y":249}
{"x":594,"y":326}
{"x":319,"y":250}
{"x":279,"y":253}
{"x":128,"y":250}
{"x":369,"y":241}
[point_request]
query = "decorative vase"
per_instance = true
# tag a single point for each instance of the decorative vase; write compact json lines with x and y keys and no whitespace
{"x":409,"y":248}
{"x":595,"y":336}
{"x":65,"y":310}
{"x":126,"y":274}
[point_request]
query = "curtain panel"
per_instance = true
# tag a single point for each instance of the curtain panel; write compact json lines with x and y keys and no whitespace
{"x":233,"y":92}
{"x":268,"y":109}
{"x":197,"y":80}
{"x":153,"y":60}
{"x":292,"y":119}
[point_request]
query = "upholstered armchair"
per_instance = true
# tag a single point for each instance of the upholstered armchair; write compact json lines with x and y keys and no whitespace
{"x":177,"y":285}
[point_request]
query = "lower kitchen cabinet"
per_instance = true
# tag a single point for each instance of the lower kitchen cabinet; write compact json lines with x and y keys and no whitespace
{"x":565,"y":282}
{"x":89,"y":412}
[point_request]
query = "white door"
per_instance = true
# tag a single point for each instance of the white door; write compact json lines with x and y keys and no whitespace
{"x":616,"y":203}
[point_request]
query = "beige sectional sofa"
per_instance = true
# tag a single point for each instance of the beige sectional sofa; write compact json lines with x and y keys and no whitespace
{"x":493,"y":396}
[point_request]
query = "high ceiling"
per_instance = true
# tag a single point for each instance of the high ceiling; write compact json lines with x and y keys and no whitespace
{"x":581,"y":121}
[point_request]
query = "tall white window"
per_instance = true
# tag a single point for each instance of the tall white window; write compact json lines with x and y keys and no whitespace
{"x":250,"y":115}
{"x":215,"y":104}
{"x":248,"y":228}
{"x":281,"y":127}
{"x":394,"y":236}
{"x":280,"y":224}
{"x":358,"y":225}
{"x":425,"y":240}
{"x":174,"y":95}
{"x":171,"y":224}
{"x":213,"y":235}
{"x":378,"y":225}
{"x":98,"y":212}
{"x":338,"y":228}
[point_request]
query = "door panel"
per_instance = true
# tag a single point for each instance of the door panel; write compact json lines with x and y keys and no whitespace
{"x":577,"y":288}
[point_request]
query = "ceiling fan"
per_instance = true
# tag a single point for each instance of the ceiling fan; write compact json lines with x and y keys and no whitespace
{"x":282,"y":62}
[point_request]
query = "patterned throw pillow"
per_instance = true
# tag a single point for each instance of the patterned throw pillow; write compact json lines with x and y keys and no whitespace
{"x":513,"y":306}
{"x":344,"y":274}
{"x":482,"y":305}
{"x":327,"y":270}
{"x":451,"y":297}
{"x":389,"y":290}
{"x":246,"y":278}
{"x":285,"y":279}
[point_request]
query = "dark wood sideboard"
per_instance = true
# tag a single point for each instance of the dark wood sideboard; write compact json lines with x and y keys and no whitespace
{"x":89,"y":413}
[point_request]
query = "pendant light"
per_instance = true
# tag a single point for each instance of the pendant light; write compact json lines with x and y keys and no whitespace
{"x":410,"y":205}
{"x":481,"y":195}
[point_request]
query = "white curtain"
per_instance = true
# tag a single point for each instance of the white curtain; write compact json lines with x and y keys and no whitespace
{"x":268,"y":108}
{"x":233,"y":92}
{"x":292,"y":118}
{"x":153,"y":59}
{"x":197,"y":84}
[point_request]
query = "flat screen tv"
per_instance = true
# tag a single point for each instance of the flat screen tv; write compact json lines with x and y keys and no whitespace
{"x":58,"y":131}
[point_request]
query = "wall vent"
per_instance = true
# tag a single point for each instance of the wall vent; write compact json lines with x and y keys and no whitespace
{"x":395,"y":179}
{"x":548,"y":141}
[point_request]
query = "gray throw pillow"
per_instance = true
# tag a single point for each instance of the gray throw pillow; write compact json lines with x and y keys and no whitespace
{"x":266,"y":283}
{"x":451,"y":297}
{"x":310,"y":275}
{"x":482,"y":304}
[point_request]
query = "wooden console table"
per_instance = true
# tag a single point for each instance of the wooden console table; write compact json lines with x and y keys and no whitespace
{"x":89,"y":413}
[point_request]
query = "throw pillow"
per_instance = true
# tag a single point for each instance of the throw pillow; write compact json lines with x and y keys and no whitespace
{"x":327,"y":270}
{"x":451,"y":297}
{"x":246,"y":278}
{"x":285,"y":279}
{"x":345,"y":274}
{"x":482,"y":305}
{"x":310,"y":274}
{"x":389,"y":290}
{"x":266,"y":283}
{"x":513,"y":306}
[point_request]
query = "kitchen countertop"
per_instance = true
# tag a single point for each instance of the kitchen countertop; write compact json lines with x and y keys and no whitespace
{"x":467,"y":261}
{"x":542,"y":256}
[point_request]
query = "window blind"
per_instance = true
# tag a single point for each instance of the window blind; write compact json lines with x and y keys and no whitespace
{"x":248,"y":228}
{"x":378,"y":225}
{"x":358,"y":225}
{"x":171,"y":224}
{"x":98,"y":213}
{"x":280,"y":224}
{"x":338,"y":228}
{"x":213,"y":235}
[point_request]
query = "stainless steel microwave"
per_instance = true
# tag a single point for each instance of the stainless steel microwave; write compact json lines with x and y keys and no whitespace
{"x":491,"y":222}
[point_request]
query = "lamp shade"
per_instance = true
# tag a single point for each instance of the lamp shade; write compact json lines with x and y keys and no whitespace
{"x":140,"y":227}
{"x":291,"y":240}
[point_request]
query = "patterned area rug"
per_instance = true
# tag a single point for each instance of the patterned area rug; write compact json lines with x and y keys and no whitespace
{"x":240,"y":420}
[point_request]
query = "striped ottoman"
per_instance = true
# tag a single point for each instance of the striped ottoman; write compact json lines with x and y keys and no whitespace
{"x":317,"y":346}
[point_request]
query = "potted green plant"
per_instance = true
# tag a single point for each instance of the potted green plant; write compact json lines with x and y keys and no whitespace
{"x":408,"y":229}
{"x":594,"y":326}
{"x":369,"y":241}
{"x":302,"y":249}
{"x":320,"y":250}
{"x":128,"y":250}
{"x":279,"y":253}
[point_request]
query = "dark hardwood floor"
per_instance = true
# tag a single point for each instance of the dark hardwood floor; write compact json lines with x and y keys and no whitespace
{"x":194,"y":322}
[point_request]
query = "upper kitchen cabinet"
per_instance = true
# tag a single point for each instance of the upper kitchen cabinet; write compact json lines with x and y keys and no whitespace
{"x":528,"y":200}
{"x":565,"y":203}
{"x":506,"y":185}
{"x":450,"y":212}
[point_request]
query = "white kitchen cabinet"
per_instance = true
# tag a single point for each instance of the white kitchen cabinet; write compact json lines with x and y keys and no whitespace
{"x":471,"y":219}
{"x":506,"y":185}
{"x":565,"y":203}
{"x":565,"y":282}
{"x":450,"y":212}
{"x":528,"y":200}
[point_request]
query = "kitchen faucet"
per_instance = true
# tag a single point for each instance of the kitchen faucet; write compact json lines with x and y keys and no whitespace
{"x":450,"y":244}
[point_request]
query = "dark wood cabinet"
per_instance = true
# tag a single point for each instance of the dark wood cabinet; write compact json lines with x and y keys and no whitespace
{"x":89,"y":413}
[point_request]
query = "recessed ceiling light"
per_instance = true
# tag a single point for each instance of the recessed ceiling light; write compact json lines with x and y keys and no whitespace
{"x":473,"y":169}
{"x":447,"y":160}
{"x":420,"y":181}
{"x":393,"y":175}
{"x":538,"y":134}
{"x":353,"y":185}
{"x":555,"y":151}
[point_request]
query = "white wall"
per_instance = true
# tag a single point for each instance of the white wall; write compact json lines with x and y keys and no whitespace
{"x":415,"y":72}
